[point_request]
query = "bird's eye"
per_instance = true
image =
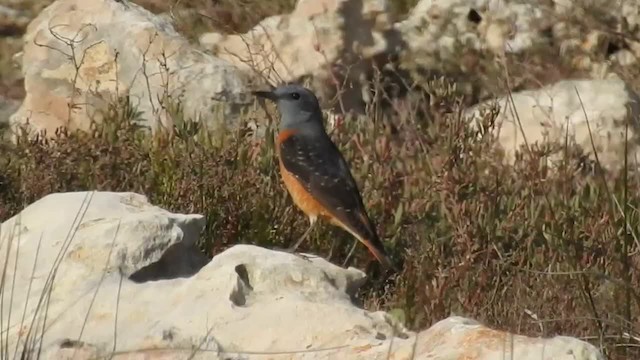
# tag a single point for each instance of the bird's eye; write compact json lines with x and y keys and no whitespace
{"x":295,"y":96}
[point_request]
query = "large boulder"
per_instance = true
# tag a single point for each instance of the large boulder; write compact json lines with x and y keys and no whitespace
{"x":436,"y":32}
{"x":588,"y":113}
{"x":80,"y":55}
{"x":326,"y":40}
{"x":576,"y":36}
{"x":101,"y":274}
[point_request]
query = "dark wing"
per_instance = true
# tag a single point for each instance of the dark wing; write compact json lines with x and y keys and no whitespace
{"x":321,"y":169}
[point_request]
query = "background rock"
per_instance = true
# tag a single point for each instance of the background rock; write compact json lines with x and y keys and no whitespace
{"x":312,"y":44}
{"x":12,"y":21}
{"x":149,"y":62}
{"x":436,"y":31}
{"x":327,"y":41}
{"x":553,"y":112}
{"x":593,"y":47}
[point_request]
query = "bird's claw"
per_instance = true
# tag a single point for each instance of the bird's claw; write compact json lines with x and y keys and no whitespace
{"x":292,"y":250}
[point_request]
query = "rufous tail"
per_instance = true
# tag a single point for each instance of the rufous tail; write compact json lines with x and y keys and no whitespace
{"x":379,"y":254}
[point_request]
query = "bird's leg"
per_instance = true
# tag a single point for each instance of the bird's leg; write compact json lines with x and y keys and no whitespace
{"x":333,"y":246}
{"x":312,"y":222}
{"x":350,"y":254}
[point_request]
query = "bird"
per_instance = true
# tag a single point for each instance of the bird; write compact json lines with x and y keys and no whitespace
{"x":315,"y":172}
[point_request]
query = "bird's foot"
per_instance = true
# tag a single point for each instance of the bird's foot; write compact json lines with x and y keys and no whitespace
{"x":347,"y":260}
{"x":331,"y":250}
{"x":292,"y":250}
{"x":329,"y":256}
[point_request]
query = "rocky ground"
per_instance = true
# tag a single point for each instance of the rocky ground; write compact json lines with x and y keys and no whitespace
{"x":105,"y":295}
{"x":495,"y":143}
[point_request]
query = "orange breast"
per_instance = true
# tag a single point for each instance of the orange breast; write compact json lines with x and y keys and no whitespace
{"x":301,"y":197}
{"x":284,"y":135}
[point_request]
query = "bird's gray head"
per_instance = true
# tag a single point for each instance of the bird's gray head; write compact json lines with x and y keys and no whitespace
{"x":298,"y":106}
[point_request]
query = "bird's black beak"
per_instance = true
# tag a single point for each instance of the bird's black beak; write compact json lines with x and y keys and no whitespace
{"x":265,"y":94}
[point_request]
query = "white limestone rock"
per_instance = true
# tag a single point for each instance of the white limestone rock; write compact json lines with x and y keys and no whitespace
{"x":129,"y":285}
{"x":120,"y":49}
{"x":437,"y":31}
{"x":552,"y":112}
{"x":310,"y":42}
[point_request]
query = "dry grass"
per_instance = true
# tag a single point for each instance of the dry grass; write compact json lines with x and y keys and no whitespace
{"x":526,"y":248}
{"x":474,"y":236}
